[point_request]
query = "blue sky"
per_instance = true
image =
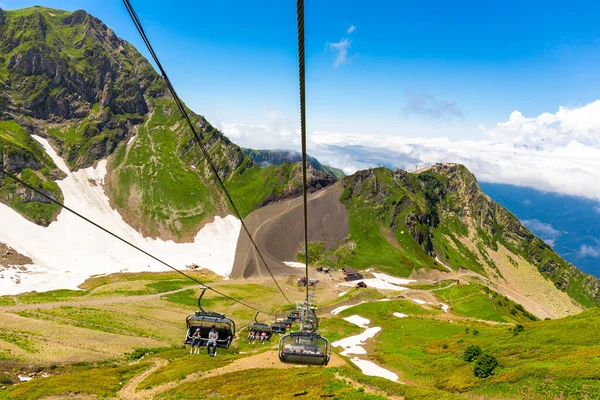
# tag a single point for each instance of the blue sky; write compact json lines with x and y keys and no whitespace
{"x":231,"y":60}
{"x":390,"y":76}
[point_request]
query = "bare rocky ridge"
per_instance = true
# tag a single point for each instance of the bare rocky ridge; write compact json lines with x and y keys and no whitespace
{"x":9,"y":256}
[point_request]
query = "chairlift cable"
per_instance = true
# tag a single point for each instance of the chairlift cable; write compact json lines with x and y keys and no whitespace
{"x":301,"y":79}
{"x":205,"y":153}
{"x":50,"y":198}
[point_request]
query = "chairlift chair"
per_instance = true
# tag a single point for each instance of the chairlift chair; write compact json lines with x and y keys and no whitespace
{"x":205,"y":320}
{"x":260,"y":327}
{"x":306,"y":346}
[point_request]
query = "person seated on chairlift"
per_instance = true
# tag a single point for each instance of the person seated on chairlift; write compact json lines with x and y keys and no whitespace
{"x":213,"y":336}
{"x":196,"y":341}
{"x":263,"y":337}
{"x":251,"y":336}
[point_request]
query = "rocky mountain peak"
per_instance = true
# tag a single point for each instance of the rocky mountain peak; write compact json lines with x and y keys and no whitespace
{"x":76,"y":18}
{"x":62,"y":64}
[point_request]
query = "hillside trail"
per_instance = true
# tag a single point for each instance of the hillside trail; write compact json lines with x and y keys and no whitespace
{"x":368,"y":389}
{"x":85,"y":301}
{"x":128,"y":391}
{"x":265,"y":360}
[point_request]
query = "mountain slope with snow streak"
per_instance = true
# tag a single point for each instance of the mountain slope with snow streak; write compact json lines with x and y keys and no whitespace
{"x":70,"y":250}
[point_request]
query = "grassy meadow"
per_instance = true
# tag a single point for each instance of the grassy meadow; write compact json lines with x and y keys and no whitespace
{"x":122,"y":334}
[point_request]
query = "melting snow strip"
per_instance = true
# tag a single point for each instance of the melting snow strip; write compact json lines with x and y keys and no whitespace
{"x":358,"y":320}
{"x":353,"y":345}
{"x":70,"y":250}
{"x":444,"y":265}
{"x":342,"y":308}
{"x":294,"y":264}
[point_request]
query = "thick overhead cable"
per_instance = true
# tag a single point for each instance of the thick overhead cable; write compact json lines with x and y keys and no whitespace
{"x":41,"y":193}
{"x":205,"y":153}
{"x":300,"y":17}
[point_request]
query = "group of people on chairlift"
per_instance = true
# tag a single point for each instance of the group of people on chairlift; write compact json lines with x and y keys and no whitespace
{"x":213,"y":336}
{"x":258,"y":335}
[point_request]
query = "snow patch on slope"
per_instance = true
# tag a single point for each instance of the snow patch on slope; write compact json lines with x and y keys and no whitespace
{"x":353,"y":345}
{"x":71,"y":250}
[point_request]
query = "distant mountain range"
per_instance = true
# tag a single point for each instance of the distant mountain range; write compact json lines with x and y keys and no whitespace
{"x":266,"y":158}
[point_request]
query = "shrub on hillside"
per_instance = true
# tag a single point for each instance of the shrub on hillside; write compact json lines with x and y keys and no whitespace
{"x":7,"y":379}
{"x":485,"y":365}
{"x":518,"y":329}
{"x":475,"y":332}
{"x":315,"y":252}
{"x":471,"y":353}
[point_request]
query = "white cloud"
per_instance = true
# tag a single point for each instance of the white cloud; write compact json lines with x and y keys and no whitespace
{"x":579,"y":125}
{"x":431,"y":107}
{"x":589,"y":251}
{"x":341,"y":50}
{"x":541,"y":228}
{"x":568,"y":162}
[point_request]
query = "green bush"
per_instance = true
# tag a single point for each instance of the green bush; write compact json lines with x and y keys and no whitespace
{"x":518,"y":329}
{"x":471,"y":353}
{"x":7,"y":379}
{"x":475,"y":332}
{"x":485,"y":365}
{"x":315,"y":252}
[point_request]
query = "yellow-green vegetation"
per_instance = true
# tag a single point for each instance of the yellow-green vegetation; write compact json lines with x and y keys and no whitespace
{"x":397,"y":389}
{"x":130,"y":284}
{"x":315,"y":252}
{"x":545,"y":359}
{"x":477,"y":301}
{"x":536,"y":359}
{"x":18,"y":339}
{"x":106,"y":320}
{"x":252,"y":186}
{"x":102,"y":382}
{"x":181,"y":364}
{"x":335,"y":329}
{"x":264,"y":384}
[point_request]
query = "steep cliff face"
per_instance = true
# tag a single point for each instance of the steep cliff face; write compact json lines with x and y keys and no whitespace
{"x":443,"y":211}
{"x":69,"y":78}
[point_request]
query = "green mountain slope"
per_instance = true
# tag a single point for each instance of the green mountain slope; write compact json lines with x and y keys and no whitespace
{"x":400,"y":222}
{"x":68,"y":77}
{"x":266,"y":158}
{"x":18,"y":151}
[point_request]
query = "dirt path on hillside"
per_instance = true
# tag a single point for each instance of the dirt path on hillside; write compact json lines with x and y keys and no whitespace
{"x":89,"y":302}
{"x":128,"y":391}
{"x":264,"y":360}
{"x":368,"y":389}
{"x":278,"y":231}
